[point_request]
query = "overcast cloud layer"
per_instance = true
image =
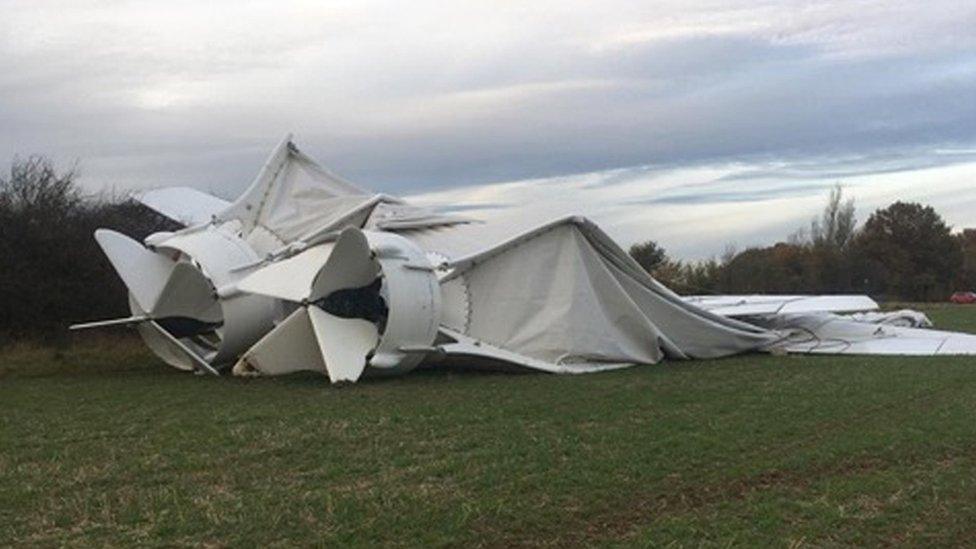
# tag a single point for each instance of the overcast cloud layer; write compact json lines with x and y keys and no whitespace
{"x":716,"y":108}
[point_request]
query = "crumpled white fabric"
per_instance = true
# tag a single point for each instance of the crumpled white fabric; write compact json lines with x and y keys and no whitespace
{"x":905,"y":318}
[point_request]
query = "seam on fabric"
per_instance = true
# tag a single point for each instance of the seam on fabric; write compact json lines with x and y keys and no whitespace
{"x":267,"y":191}
{"x":467,"y":303}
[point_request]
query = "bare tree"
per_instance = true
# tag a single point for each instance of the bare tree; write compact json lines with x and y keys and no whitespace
{"x":836,"y":225}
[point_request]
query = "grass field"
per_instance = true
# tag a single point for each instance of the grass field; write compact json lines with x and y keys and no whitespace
{"x":101,"y":445}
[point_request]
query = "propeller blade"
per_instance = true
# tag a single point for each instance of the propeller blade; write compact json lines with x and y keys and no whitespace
{"x":177,"y":344}
{"x":345,"y":343}
{"x":188,"y":294}
{"x":142,"y":271}
{"x":290,"y":347}
{"x":350,"y":265}
{"x":289,"y":279}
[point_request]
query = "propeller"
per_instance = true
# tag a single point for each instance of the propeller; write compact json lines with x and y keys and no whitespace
{"x":345,"y":306}
{"x":336,"y":327}
{"x":173,"y":298}
{"x":369,"y":298}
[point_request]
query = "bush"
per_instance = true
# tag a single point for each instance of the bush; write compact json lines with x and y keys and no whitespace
{"x":54,"y":273}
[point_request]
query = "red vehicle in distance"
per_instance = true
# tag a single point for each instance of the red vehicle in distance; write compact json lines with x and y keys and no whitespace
{"x":963,"y":298}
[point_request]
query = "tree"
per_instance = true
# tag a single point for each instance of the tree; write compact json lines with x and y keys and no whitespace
{"x":967,"y":277}
{"x":812,"y":260}
{"x":836,"y":225}
{"x":649,"y":255}
{"x":781,"y":268}
{"x":907,"y":250}
{"x":699,"y":277}
{"x":55,"y":273}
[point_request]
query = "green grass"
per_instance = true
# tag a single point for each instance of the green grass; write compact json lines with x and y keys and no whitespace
{"x":101,"y":445}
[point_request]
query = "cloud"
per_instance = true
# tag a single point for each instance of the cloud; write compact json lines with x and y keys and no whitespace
{"x":426,"y":96}
{"x":695,"y":212}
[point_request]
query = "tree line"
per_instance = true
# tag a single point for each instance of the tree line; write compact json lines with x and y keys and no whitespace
{"x":904,"y":251}
{"x":53,"y":272}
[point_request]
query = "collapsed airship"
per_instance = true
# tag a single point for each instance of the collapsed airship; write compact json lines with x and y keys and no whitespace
{"x":308,"y":271}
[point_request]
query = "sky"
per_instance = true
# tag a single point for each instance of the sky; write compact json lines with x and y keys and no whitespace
{"x":698,"y":124}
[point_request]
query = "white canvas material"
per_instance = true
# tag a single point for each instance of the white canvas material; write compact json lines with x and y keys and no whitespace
{"x":565,"y":294}
{"x":293,"y":198}
{"x":748,"y":305}
{"x":905,"y":318}
{"x":827,"y":333}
